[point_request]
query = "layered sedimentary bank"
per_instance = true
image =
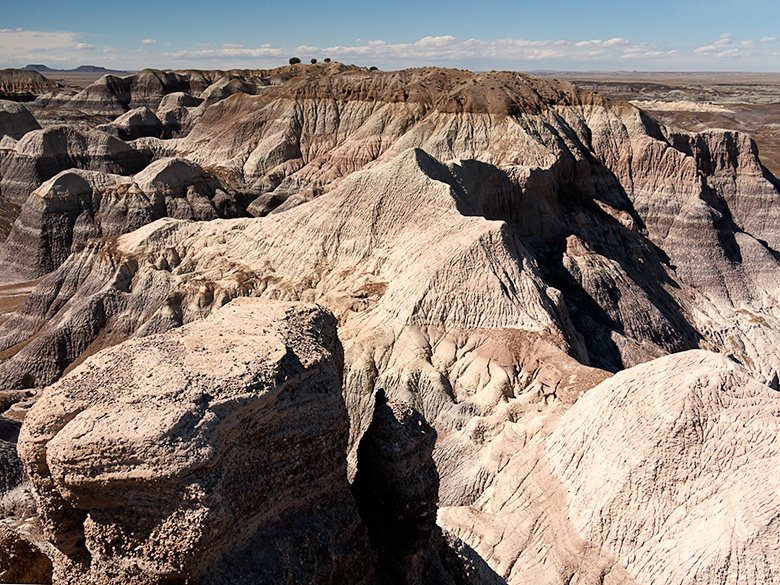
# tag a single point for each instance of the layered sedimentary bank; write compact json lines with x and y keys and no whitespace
{"x":559,"y":318}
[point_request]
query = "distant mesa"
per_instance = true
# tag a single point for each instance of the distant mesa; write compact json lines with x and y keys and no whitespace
{"x":38,"y":67}
{"x":96,"y":69}
{"x":80,"y":69}
{"x":91,"y":68}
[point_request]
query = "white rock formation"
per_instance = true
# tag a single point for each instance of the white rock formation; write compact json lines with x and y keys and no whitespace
{"x":491,"y":245}
{"x":660,"y":474}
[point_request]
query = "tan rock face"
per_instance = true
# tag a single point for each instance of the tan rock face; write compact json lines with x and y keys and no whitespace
{"x":15,"y":120}
{"x":21,"y":561}
{"x":662,"y":460}
{"x":492,"y":247}
{"x":76,"y":205}
{"x":210,"y":453}
{"x":658,"y":475}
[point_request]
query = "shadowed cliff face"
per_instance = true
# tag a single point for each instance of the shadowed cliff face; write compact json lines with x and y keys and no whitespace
{"x":492,"y":246}
{"x":396,"y":490}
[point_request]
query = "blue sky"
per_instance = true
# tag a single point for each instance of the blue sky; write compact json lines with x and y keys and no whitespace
{"x":720,"y":35}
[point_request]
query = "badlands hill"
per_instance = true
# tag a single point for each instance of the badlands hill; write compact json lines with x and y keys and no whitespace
{"x":556,"y":332}
{"x":21,"y":85}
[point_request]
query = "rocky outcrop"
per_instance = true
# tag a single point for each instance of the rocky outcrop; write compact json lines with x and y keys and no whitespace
{"x":134,"y":124}
{"x":57,"y":215}
{"x":112,"y":95}
{"x":174,"y":111}
{"x":638,"y":482}
{"x":23,"y":85}
{"x":21,"y":561}
{"x":41,"y":154}
{"x":627,"y":301}
{"x":212,"y":454}
{"x":54,"y":100}
{"x":75,"y":205}
{"x":492,"y":246}
{"x":700,"y":432}
{"x":15,"y":120}
{"x":297,"y":254}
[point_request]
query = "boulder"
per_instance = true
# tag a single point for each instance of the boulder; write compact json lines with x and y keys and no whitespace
{"x":214,"y":453}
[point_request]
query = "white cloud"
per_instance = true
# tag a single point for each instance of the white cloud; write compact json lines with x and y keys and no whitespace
{"x":728,"y":47}
{"x":725,"y":40}
{"x":18,"y":46}
{"x":225,"y":52}
{"x":63,"y":49}
{"x":731,"y":53}
{"x":706,"y":50}
{"x":616,"y":42}
{"x":469,"y":51}
{"x":37,"y":39}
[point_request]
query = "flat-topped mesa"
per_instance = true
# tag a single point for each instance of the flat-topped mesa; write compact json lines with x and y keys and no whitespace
{"x":301,"y":136}
{"x":447,"y":90}
{"x":305,"y":134}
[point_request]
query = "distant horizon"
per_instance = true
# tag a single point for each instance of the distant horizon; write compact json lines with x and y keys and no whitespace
{"x":520,"y":35}
{"x":32,"y":67}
